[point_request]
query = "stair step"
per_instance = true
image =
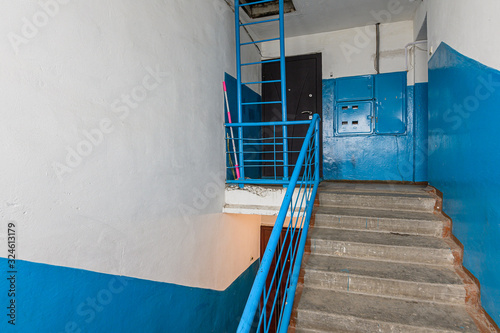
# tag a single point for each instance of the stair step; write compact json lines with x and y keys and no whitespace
{"x":306,"y":330}
{"x":373,"y":187}
{"x":414,"y":281}
{"x":378,"y":200}
{"x":378,"y":245}
{"x":334,"y":311}
{"x":408,"y":222}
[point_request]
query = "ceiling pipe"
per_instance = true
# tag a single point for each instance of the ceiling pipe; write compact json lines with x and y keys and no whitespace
{"x":412,"y":44}
{"x":377,"y":51}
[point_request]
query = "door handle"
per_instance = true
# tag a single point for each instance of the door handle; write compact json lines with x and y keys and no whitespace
{"x":307,"y":112}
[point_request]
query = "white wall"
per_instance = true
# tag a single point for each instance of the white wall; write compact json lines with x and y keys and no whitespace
{"x":418,"y":56}
{"x":418,"y":62}
{"x":419,"y":18}
{"x":112,"y":137}
{"x":470,"y":27}
{"x":352,"y":52}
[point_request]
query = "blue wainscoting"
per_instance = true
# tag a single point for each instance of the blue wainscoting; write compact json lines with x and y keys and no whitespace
{"x":464,"y":160}
{"x":377,"y":156}
{"x":57,"y":299}
{"x":251,"y":113}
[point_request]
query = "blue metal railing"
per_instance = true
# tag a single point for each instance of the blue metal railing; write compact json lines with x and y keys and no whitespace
{"x":271,"y":304}
{"x":238,"y":4}
{"x":263,"y":151}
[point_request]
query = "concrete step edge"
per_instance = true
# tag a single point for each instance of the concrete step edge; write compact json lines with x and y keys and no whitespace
{"x":428,"y":210}
{"x":403,"y":328}
{"x":381,"y":231}
{"x":451,"y":266}
{"x":434,"y":228}
{"x":389,"y":232}
{"x":379,"y":278}
{"x":305,"y":330}
{"x":320,"y":213}
{"x":377,"y":193}
{"x":413,"y":195}
{"x":446,"y":264}
{"x":458,"y":288}
{"x":312,"y":237}
{"x":417,"y":300}
{"x":397,"y":246}
{"x":446,"y":253}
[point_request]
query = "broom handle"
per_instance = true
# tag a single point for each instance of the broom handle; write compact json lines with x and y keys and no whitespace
{"x":231,"y":129}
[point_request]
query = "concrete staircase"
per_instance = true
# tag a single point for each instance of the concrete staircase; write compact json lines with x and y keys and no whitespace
{"x":379,"y":262}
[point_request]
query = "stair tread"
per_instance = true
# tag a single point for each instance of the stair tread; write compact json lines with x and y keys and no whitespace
{"x":364,"y":187}
{"x":383,"y":269}
{"x":310,"y":330}
{"x":417,"y":196}
{"x":381,"y":309}
{"x":388,"y":198}
{"x":377,"y":238}
{"x":378,"y":213}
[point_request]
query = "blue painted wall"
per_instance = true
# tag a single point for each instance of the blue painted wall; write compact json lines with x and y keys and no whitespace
{"x":421,"y":128}
{"x":251,"y":113}
{"x":59,"y":299}
{"x":376,"y":157}
{"x":464,"y":161}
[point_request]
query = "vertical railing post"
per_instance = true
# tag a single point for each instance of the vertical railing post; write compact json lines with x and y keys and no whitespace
{"x":238,"y":90}
{"x":283,"y":88}
{"x":316,"y":152}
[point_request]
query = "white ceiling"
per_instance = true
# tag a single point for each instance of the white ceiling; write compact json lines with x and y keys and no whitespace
{"x":316,"y":16}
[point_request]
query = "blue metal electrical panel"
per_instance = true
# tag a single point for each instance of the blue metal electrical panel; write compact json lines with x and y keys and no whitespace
{"x":390,"y":97}
{"x":355,"y":146}
{"x":354,"y":117}
{"x":356,"y":88}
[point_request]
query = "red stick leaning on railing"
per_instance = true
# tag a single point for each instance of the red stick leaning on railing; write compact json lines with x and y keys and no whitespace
{"x":232,"y":134}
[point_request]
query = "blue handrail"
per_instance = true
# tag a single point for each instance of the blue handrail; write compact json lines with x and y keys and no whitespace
{"x":298,"y":205}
